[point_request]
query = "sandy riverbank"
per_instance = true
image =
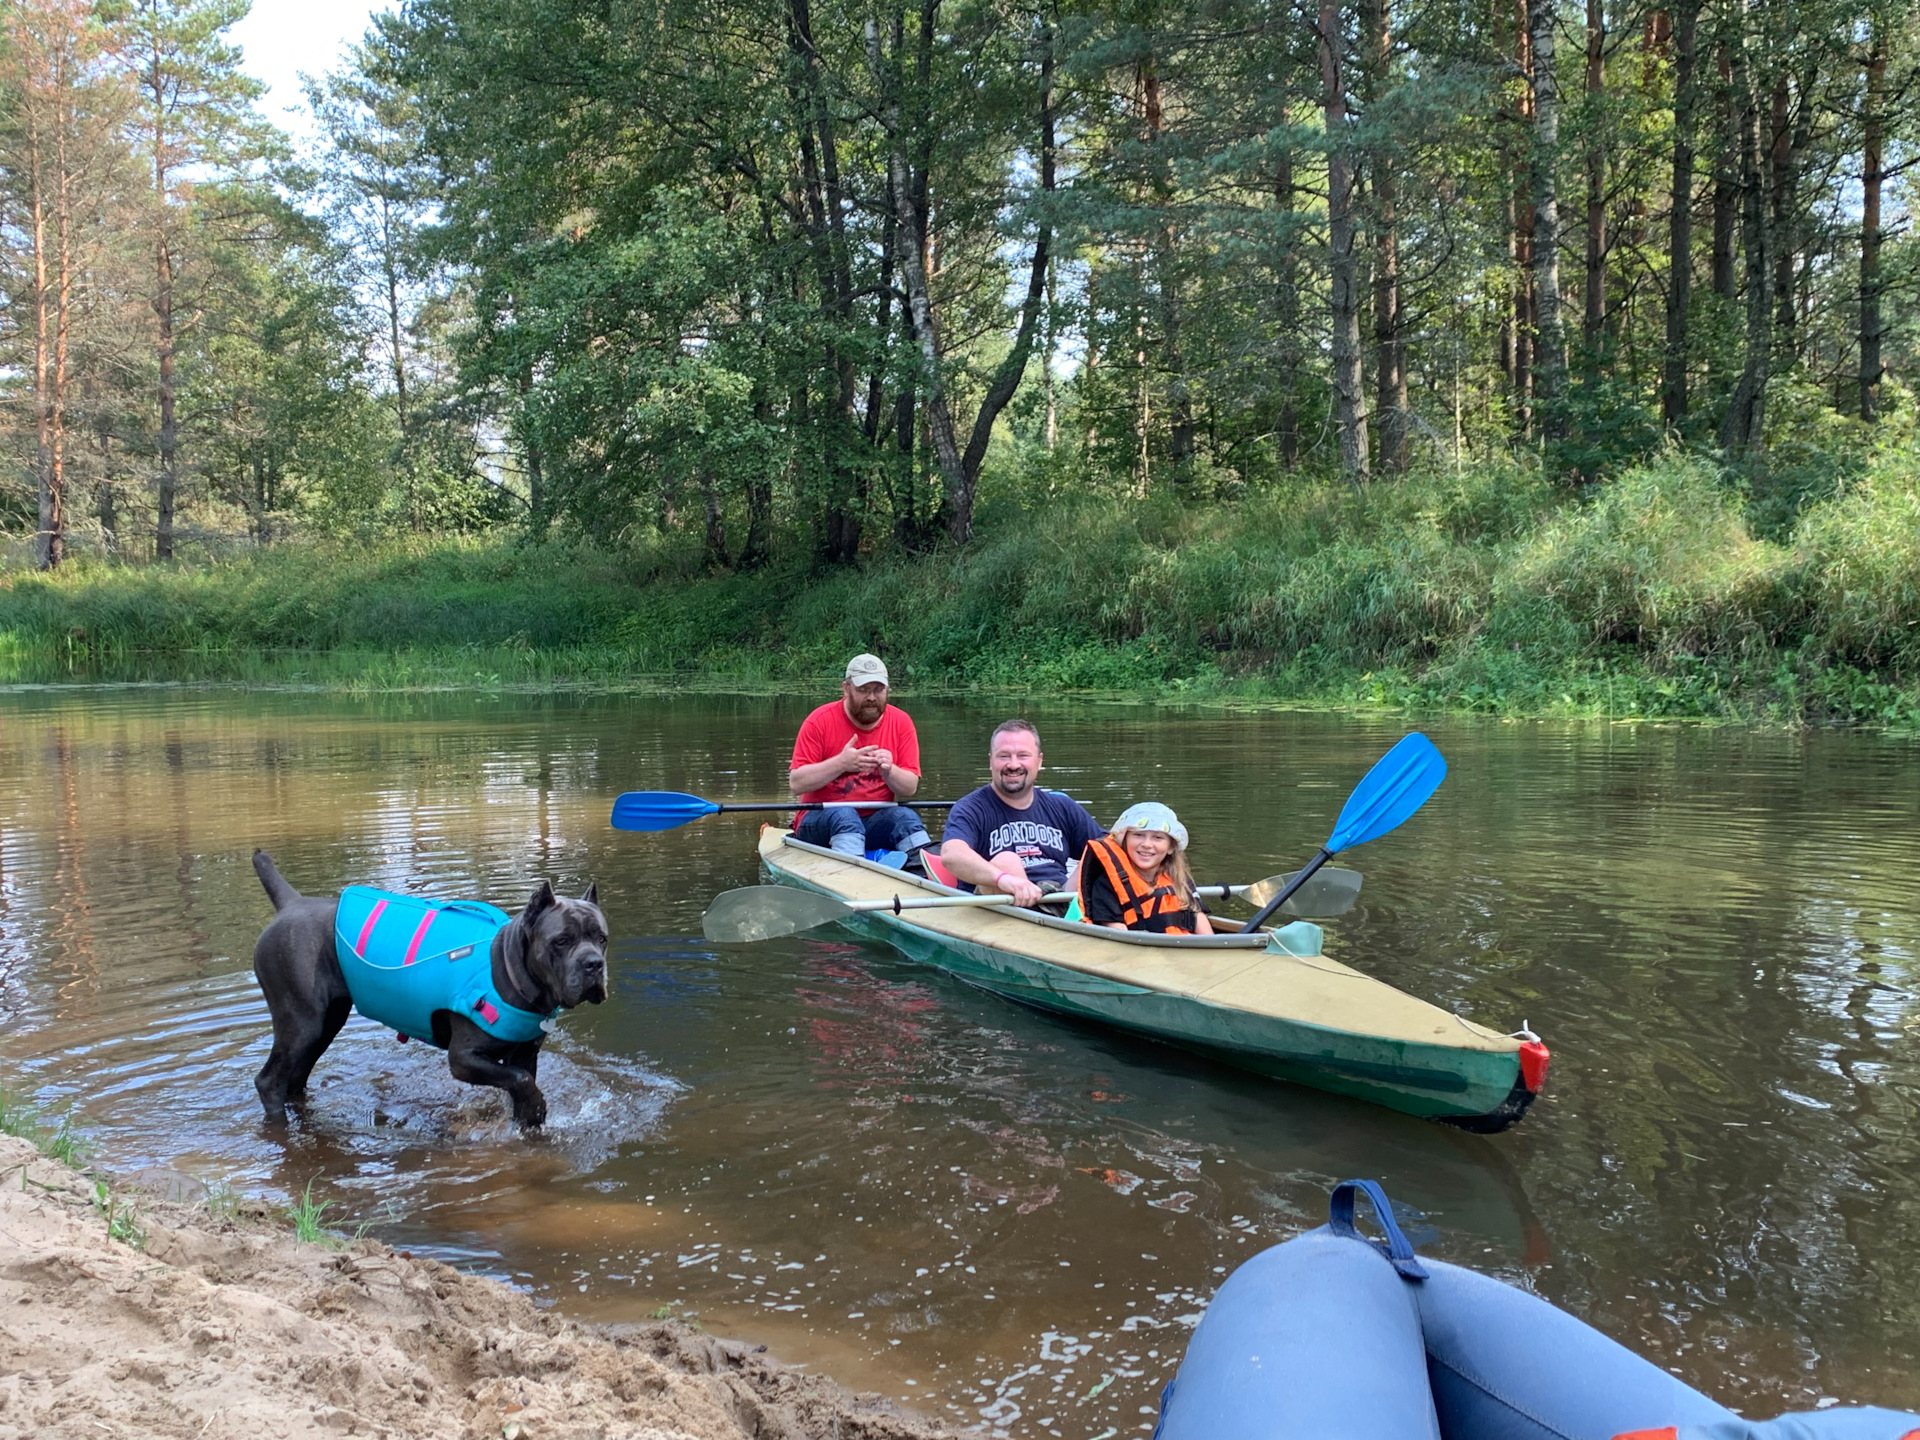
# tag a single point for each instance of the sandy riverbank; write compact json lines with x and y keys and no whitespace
{"x":229,"y":1328}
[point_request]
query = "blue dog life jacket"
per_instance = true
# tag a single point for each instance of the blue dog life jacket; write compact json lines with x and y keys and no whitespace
{"x":405,"y":958}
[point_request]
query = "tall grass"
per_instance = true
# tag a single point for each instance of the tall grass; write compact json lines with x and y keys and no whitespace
{"x":1659,"y":594}
{"x":24,"y":1120}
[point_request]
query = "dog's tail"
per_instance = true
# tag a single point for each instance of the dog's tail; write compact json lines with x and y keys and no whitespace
{"x":278,"y":890}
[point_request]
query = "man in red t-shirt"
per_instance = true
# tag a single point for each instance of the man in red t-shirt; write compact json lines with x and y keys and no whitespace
{"x":858,"y":748}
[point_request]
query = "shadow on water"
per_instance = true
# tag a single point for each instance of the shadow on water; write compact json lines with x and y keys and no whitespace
{"x":1000,"y":1215}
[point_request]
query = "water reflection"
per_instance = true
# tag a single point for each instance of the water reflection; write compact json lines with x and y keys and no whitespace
{"x":1002,"y":1216}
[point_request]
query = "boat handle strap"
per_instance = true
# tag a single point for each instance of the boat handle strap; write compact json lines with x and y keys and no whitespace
{"x":1396,"y":1247}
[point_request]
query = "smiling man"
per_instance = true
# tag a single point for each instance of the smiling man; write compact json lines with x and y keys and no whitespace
{"x":1011,"y":835}
{"x":858,"y":748}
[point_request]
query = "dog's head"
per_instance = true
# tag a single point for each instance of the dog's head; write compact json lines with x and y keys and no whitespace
{"x":561,"y":946}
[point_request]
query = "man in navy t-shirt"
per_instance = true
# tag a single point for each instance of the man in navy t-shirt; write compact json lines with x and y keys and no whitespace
{"x":1011,"y":835}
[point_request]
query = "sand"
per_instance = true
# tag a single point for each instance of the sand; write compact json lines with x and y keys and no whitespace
{"x":222,"y":1326}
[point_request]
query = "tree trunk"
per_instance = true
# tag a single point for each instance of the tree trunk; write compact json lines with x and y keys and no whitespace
{"x":1050,"y":422}
{"x":530,"y":449}
{"x":908,"y":528}
{"x":826,"y":206}
{"x":1167,"y":278}
{"x":715,"y":556}
{"x":1288,"y":316}
{"x":1523,"y":234}
{"x":1742,"y":429}
{"x":1006,"y":378}
{"x":158,"y":84}
{"x":1389,"y":313}
{"x":169,"y":424}
{"x":889,"y":259}
{"x":1673,"y":390}
{"x":1781,"y":160}
{"x":1350,"y":406}
{"x":1872,"y":181}
{"x":1726,"y":183}
{"x":1551,"y":340}
{"x":47,"y":104}
{"x":1593,"y":320}
{"x":913,"y":268}
{"x":759,"y":543}
{"x":390,"y":273}
{"x":47,"y":538}
{"x":109,"y":522}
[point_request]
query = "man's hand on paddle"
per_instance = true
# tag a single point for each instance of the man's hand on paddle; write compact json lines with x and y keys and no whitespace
{"x":1012,"y":878}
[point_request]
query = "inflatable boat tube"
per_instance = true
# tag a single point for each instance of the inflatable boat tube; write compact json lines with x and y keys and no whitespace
{"x":1332,"y":1336}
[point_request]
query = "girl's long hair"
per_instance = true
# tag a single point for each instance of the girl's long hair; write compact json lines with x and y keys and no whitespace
{"x":1174,"y":870}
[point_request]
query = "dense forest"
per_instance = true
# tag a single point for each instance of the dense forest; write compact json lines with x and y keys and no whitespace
{"x":788,"y":283}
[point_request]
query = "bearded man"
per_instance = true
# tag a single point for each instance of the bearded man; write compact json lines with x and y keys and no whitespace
{"x":858,"y":748}
{"x":1010,"y":835}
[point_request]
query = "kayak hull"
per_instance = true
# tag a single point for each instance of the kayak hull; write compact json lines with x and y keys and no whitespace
{"x":1297,"y":1019}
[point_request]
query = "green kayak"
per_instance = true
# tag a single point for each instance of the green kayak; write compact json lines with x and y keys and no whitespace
{"x":1244,"y":999}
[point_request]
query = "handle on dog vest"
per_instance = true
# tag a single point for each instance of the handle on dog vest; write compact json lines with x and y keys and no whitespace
{"x":471,"y":907}
{"x":1395,"y":1247}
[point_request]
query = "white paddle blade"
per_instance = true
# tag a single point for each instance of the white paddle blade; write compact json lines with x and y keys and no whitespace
{"x":767,"y":912}
{"x":1330,"y":892}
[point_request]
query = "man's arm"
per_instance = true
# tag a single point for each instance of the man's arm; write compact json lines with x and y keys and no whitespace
{"x":903,"y":778}
{"x":802,"y":779}
{"x":969,"y":865}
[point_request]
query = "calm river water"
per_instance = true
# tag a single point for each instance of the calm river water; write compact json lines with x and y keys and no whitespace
{"x":926,"y":1190}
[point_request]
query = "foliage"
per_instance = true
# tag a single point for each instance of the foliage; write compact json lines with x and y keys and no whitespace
{"x":997,"y":333}
{"x":123,"y":1221}
{"x":25,"y":1121}
{"x":1491,"y":590}
{"x":308,"y":1216}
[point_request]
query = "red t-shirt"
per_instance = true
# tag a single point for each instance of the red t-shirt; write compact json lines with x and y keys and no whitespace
{"x":825,"y":733}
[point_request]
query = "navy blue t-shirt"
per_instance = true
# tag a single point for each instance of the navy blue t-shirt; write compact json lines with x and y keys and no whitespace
{"x":1046,"y":835}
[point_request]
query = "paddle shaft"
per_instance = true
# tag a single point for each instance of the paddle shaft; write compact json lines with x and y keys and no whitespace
{"x":1061,"y":897}
{"x":842,"y":805}
{"x":935,"y":902}
{"x":1260,"y":915}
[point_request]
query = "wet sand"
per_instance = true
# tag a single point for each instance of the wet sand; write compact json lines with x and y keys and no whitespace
{"x":133,"y":1314}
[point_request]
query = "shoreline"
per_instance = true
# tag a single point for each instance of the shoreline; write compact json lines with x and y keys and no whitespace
{"x":149,"y":1307}
{"x":1177,"y":696}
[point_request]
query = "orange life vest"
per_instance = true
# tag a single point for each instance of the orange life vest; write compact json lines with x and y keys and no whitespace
{"x":1140,"y":898}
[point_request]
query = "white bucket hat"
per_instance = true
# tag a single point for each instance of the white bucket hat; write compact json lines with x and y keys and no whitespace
{"x":1152,"y":815}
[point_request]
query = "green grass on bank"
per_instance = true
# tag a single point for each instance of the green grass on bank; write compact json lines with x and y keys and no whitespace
{"x":1490,"y":591}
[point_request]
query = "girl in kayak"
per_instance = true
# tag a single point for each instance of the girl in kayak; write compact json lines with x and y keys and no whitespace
{"x":1137,"y":877}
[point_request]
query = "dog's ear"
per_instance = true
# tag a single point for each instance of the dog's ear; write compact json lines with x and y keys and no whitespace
{"x":541,"y":902}
{"x":592,"y":897}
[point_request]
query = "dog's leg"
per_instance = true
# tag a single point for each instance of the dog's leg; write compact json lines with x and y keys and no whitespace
{"x":300,"y":1066}
{"x":306,"y":995}
{"x":479,"y":1059}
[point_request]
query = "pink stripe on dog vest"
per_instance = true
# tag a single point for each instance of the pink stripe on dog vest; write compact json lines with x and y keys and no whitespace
{"x":413,"y":949}
{"x":488,"y":1013}
{"x":366,"y":930}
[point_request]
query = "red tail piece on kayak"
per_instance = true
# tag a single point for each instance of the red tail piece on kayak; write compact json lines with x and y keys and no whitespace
{"x":1533,"y":1065}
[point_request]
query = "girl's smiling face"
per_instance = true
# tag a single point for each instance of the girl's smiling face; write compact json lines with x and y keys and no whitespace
{"x":1148,"y":848}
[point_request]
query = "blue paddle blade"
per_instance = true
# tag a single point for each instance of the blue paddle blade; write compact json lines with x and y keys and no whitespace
{"x":659,"y":810}
{"x":1399,"y":784}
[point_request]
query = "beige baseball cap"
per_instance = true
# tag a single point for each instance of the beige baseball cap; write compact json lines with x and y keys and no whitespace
{"x":865,"y":669}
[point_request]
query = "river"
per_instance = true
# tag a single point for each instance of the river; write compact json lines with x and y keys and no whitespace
{"x":999,"y":1217}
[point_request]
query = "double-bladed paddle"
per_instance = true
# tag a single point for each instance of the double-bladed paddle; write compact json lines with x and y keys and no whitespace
{"x":1329,"y":892}
{"x":1397,"y":785}
{"x":767,"y":912}
{"x":670,"y":809}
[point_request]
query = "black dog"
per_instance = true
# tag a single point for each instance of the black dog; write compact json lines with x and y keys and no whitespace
{"x":550,"y":956}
